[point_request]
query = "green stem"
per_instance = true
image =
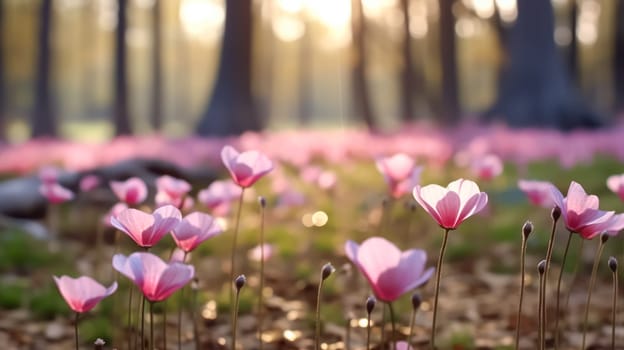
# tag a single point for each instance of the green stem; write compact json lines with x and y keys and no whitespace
{"x":235,"y":322}
{"x":234,"y":240}
{"x":261,"y":295}
{"x":563,"y":261}
{"x":195,"y":330}
{"x":411,"y":329}
{"x":522,"y":269}
{"x":181,"y":299}
{"x":151,"y":310}
{"x":318,"y":316}
{"x":392,"y":322}
{"x":542,"y":326}
{"x":368,"y":331}
{"x":164,"y":330}
{"x":76,"y":330}
{"x":130,"y":342}
{"x":592,"y":281}
{"x":549,"y":251}
{"x":614,"y":311}
{"x":437,"y":287}
{"x":383,"y":325}
{"x":142,"y":340}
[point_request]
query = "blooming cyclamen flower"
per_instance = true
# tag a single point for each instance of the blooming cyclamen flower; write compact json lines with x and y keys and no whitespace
{"x":171,"y":191}
{"x":144,"y":228}
{"x":82,"y":293}
{"x":156,"y":279}
{"x":55,"y":193}
{"x":390,"y":272}
{"x":487,"y":167}
{"x":133,"y":191}
{"x":538,"y":192}
{"x":450,"y":206}
{"x":194,"y":229}
{"x":616,"y":185}
{"x":245,"y":168}
{"x":399,"y":172}
{"x":581,"y":215}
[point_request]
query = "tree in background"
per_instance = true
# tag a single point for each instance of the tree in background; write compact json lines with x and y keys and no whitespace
{"x":305,"y":70}
{"x":618,"y":58}
{"x":157,"y":76}
{"x":231,"y":109}
{"x":120,"y":111}
{"x":448,"y":56}
{"x":535,"y":88}
{"x":362,"y":106}
{"x":2,"y":91}
{"x":43,"y":118}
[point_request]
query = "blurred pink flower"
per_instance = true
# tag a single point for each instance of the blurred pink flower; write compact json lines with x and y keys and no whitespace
{"x":179,"y":255}
{"x":616,"y":185}
{"x":487,"y":167}
{"x":255,"y":253}
{"x":245,"y":168}
{"x":450,"y":206}
{"x":400,"y":173}
{"x":132,"y":191}
{"x":390,"y":272}
{"x":581,"y":215}
{"x":49,"y":174}
{"x":538,"y":192}
{"x":55,"y":193}
{"x":144,"y":228}
{"x":170,"y":190}
{"x":193,"y":229}
{"x":327,"y":180}
{"x":82,"y":293}
{"x":219,"y":195}
{"x":156,"y":279}
{"x":89,"y":182}
{"x":113,"y":212}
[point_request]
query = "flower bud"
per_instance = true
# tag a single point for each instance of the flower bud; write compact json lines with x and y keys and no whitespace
{"x":99,"y":344}
{"x":527,"y":229}
{"x":239,"y":282}
{"x":262,"y":201}
{"x":613,"y":264}
{"x":555,"y":214}
{"x":541,"y":267}
{"x":416,"y":301}
{"x":604,"y":238}
{"x":370,"y":304}
{"x":327,"y":270}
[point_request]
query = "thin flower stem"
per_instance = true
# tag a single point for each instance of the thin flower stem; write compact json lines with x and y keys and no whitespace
{"x":549,"y":251}
{"x":235,"y":322}
{"x":574,"y":273}
{"x":557,"y":316}
{"x":383,"y":325}
{"x":130,"y":342}
{"x":261,"y":294}
{"x":542,"y":326}
{"x":592,"y":282}
{"x":76,"y":330}
{"x":195,"y":330}
{"x":411,"y":330}
{"x":318,"y":316}
{"x":142,"y":340}
{"x":348,"y":334}
{"x":180,"y":307}
{"x":437,"y":287}
{"x":392,"y":320}
{"x":368,"y":331}
{"x":614,"y":311}
{"x":151,"y":310}
{"x":234,"y":240}
{"x":164,"y":330}
{"x":522,"y":273}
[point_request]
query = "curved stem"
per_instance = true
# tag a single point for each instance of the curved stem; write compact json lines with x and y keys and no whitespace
{"x":437,"y":287}
{"x":234,"y":240}
{"x":261,"y":295}
{"x":549,"y":251}
{"x":614,"y":311}
{"x":563,"y":261}
{"x":318,"y":316}
{"x":592,"y":281}
{"x":411,"y":329}
{"x":522,"y":269}
{"x":76,"y":330}
{"x":392,"y":320}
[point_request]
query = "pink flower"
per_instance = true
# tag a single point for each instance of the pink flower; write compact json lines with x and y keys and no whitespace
{"x":49,"y":174}
{"x":390,"y":272}
{"x":538,"y":192}
{"x":255,"y":253}
{"x":133,"y":191}
{"x":171,"y":191}
{"x":487,"y":167}
{"x":156,"y":279}
{"x":82,"y":293}
{"x":194,"y":229}
{"x":452,"y":205}
{"x":89,"y":182}
{"x":113,"y":212}
{"x":580,"y":213}
{"x":55,"y":193}
{"x":616,"y":184}
{"x":400,"y":173}
{"x":219,"y":195}
{"x":245,"y":168}
{"x":327,"y":180}
{"x":144,"y":228}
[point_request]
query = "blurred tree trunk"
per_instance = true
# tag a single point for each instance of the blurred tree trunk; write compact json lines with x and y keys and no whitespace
{"x":573,"y":47}
{"x":181,"y":81}
{"x":157,"y":99}
{"x":231,"y":110}
{"x":120,"y":110}
{"x":3,"y":118}
{"x":406,"y":74}
{"x":448,"y":56}
{"x":305,"y":73}
{"x":44,"y":119}
{"x":362,"y":106}
{"x":618,"y":57}
{"x":535,"y":88}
